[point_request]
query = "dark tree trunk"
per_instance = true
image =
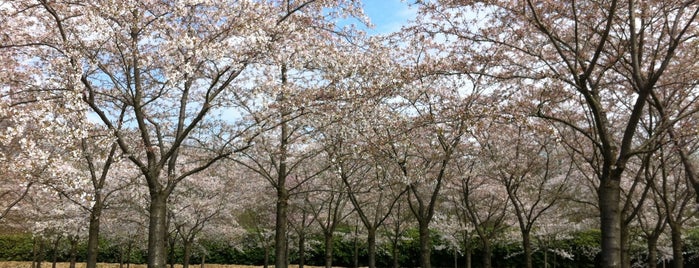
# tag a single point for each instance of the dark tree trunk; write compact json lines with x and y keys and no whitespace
{"x":355,"y":252}
{"x":652,"y":243}
{"x":609,"y":198}
{"x":93,"y":232}
{"x":121,"y":256}
{"x":38,"y":253}
{"x":527,"y":244}
{"x":125,"y":255}
{"x":468,"y":254}
{"x":129,"y":248}
{"x":425,"y":245}
{"x":394,"y":253}
{"x":328,"y":249}
{"x":371,"y":246}
{"x":73,"y":250}
{"x":625,"y":250}
{"x":171,"y":243}
{"x":54,"y":256}
{"x":187,"y":252}
{"x":487,"y":256}
{"x":267,"y":253}
{"x":677,"y":245}
{"x":280,"y":238}
{"x":302,"y":249}
{"x":157,"y":230}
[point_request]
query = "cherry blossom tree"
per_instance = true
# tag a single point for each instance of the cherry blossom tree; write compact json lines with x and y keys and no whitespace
{"x":652,"y":221}
{"x":531,"y":166}
{"x":330,"y":207}
{"x":313,"y":55}
{"x":395,"y":229}
{"x":485,"y":205}
{"x":125,"y":225}
{"x":302,"y":220}
{"x":588,"y":66}
{"x":676,"y":197}
{"x":165,"y":63}
{"x":41,"y":116}
{"x":103,"y":172}
{"x":424,"y":128}
{"x":197,"y":203}
{"x":365,"y":175}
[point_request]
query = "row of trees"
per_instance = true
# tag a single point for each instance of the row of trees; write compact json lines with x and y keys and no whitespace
{"x":483,"y":117}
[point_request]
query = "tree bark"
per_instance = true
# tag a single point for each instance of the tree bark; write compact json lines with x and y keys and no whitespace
{"x":652,"y":243}
{"x":609,"y":198}
{"x":54,"y":257}
{"x":394,"y":253}
{"x":371,"y":246}
{"x":280,"y":238}
{"x":527,"y":244}
{"x":425,"y":245}
{"x":677,"y":245}
{"x":487,"y":256}
{"x":469,"y":249}
{"x":157,"y":230}
{"x":625,"y":250}
{"x":267,"y":251}
{"x":129,"y":248}
{"x":38,"y":249}
{"x":187,"y":252}
{"x":302,"y":249}
{"x":171,"y":243}
{"x":93,"y":232}
{"x":328,"y":249}
{"x":355,"y":253}
{"x":73,"y":250}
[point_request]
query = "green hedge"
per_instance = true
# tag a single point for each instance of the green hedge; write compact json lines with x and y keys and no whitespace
{"x":583,"y":245}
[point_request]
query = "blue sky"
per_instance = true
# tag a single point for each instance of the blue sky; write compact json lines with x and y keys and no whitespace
{"x":388,"y":15}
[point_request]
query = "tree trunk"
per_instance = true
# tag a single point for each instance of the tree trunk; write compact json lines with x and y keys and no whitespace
{"x":487,"y":256}
{"x":157,"y":230}
{"x":425,"y":245}
{"x":187,"y":252}
{"x":468,"y":254}
{"x":280,"y":238}
{"x":355,"y":253}
{"x":677,"y":245}
{"x":625,"y":250}
{"x":93,"y":233}
{"x":371,"y":246}
{"x":38,"y":252}
{"x":171,"y":243}
{"x":302,"y":249}
{"x":54,"y":256}
{"x":73,"y":250}
{"x":609,"y":197}
{"x":394,"y":252}
{"x":652,"y":243}
{"x":527,"y":245}
{"x":328,"y":250}
{"x":121,"y":256}
{"x":266,"y":264}
{"x":203,"y":260}
{"x":129,"y":248}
